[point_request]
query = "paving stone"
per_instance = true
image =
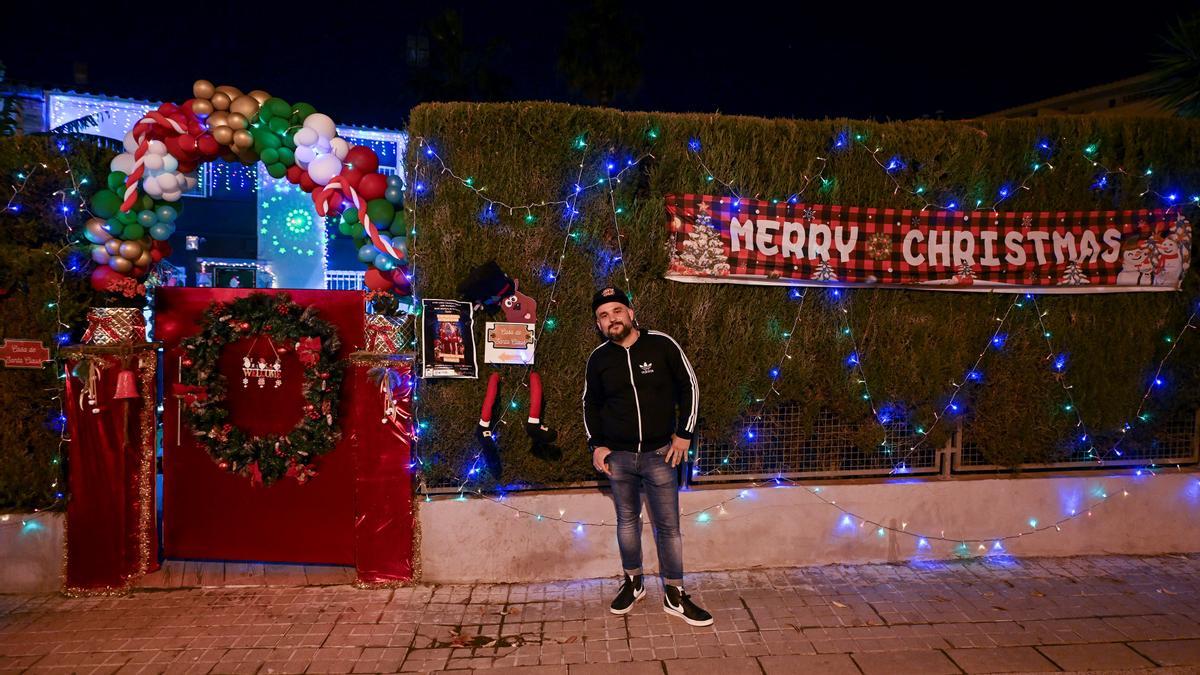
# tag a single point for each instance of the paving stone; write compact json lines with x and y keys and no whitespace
{"x":1000,"y":660}
{"x":1095,"y":657}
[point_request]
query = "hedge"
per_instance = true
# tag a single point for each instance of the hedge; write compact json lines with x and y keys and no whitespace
{"x":913,"y":344}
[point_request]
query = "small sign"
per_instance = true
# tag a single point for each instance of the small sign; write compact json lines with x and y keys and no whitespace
{"x":24,"y":353}
{"x":447,"y":339}
{"x":509,"y":343}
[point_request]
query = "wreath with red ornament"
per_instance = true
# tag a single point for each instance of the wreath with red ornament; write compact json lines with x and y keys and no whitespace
{"x":203,"y":389}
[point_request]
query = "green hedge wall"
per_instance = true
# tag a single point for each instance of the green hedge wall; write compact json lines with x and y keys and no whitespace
{"x":34,"y":254}
{"x":913,"y":344}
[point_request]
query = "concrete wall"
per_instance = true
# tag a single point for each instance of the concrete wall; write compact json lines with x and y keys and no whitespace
{"x":31,"y":555}
{"x":479,"y":540}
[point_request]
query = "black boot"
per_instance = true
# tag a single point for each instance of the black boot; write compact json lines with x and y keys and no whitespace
{"x":631,"y":591}
{"x":677,"y":603}
{"x":488,"y":448}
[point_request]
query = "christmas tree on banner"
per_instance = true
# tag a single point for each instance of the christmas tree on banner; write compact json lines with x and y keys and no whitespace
{"x":703,"y":252}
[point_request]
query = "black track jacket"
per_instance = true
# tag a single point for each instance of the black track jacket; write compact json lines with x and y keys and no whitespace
{"x":630,"y":395}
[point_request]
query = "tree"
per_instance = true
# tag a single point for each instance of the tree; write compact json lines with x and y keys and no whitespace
{"x":1176,"y":78}
{"x":8,"y":110}
{"x":600,"y":54}
{"x":456,"y":72}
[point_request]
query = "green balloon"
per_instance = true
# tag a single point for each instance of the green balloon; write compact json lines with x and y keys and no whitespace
{"x":381,"y":212}
{"x":105,"y":204}
{"x":276,"y":107}
{"x":127,"y":217}
{"x":350,"y":215}
{"x":399,"y":219}
{"x":115,"y":227}
{"x":278,"y":124}
{"x":357,"y":231}
{"x":359,"y":241}
{"x":144,"y":203}
{"x":134,"y":231}
{"x":271,"y":140}
{"x":286,"y":155}
{"x":116,"y":181}
{"x":344,"y":228}
{"x":302,"y":110}
{"x":277,"y":170}
{"x":269,"y":156}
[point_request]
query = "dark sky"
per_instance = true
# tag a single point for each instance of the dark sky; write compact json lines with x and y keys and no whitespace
{"x":753,"y":58}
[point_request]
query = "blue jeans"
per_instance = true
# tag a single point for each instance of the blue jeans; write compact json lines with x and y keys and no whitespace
{"x":648,"y":472}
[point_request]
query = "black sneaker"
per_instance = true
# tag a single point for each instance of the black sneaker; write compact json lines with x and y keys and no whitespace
{"x":631,"y":591}
{"x":677,"y":603}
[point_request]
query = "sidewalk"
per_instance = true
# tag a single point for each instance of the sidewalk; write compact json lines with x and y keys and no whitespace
{"x":996,"y":615}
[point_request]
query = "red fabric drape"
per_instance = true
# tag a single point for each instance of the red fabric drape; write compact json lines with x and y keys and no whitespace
{"x":384,"y":522}
{"x":111,"y":534}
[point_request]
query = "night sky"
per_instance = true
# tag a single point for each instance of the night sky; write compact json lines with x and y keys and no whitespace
{"x":808,"y":61}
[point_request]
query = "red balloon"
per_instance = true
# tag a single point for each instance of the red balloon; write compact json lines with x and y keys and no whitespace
{"x":173,"y":147}
{"x":352,"y":177}
{"x":185,"y":143}
{"x":139,"y":272}
{"x":155,"y":255}
{"x":161,"y":247}
{"x":167,"y":108}
{"x":363,"y":159}
{"x":188,"y":165}
{"x":306,"y":182}
{"x":372,"y":186}
{"x":294,"y":172}
{"x":376,"y":280}
{"x":336,"y":203}
{"x":208,"y":145}
{"x":103,"y":277}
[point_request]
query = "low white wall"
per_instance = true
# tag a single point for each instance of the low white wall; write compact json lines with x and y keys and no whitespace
{"x":31,"y":555}
{"x":478,"y":540}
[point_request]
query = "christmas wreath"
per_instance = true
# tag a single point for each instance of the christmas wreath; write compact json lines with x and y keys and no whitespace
{"x":262,"y":459}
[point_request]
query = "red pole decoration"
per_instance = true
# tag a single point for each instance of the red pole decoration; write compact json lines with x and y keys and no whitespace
{"x":339,"y":187}
{"x":154,"y":121}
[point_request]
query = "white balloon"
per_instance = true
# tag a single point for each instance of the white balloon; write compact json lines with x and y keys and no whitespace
{"x":153,"y":162}
{"x":324,"y":168}
{"x":129,"y":143}
{"x":340,"y":147}
{"x":322,"y":124}
{"x":172,"y":196}
{"x":304,"y":155}
{"x":170,"y":163}
{"x":152,"y":188}
{"x":122,"y":162}
{"x":305,"y":136}
{"x":189,"y":181}
{"x":167,"y":182}
{"x":324,"y":147}
{"x":157,"y":148}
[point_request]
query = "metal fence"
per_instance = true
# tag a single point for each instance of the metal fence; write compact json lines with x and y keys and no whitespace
{"x":344,"y":280}
{"x":783,"y":444}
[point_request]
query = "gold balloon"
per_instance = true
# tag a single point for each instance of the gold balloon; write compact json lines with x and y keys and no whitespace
{"x":130,"y":250}
{"x":247,"y":156}
{"x":202,"y":107}
{"x":95,"y":227}
{"x":246,"y":106}
{"x":218,"y":119}
{"x":113,"y":246}
{"x":229,"y":90}
{"x":120,"y":265}
{"x":202,"y":89}
{"x":242,"y":139}
{"x":223,"y":135}
{"x":143,"y":260}
{"x":260,"y":96}
{"x":221,"y":100}
{"x":238,"y":121}
{"x":99,"y":255}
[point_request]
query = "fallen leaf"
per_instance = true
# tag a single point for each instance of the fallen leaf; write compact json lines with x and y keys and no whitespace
{"x":1167,"y":592}
{"x":838,"y":604}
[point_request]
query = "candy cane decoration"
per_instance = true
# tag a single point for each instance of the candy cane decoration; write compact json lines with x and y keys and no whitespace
{"x":142,"y":130}
{"x":323,"y":196}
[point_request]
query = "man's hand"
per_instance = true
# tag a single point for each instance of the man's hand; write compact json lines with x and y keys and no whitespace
{"x":679,"y":448}
{"x":600,"y":454}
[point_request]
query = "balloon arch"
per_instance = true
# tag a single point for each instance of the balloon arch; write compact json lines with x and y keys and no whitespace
{"x":134,"y":215}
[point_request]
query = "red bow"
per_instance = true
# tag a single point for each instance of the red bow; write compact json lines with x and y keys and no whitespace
{"x":189,"y":393}
{"x":309,"y":350}
{"x":301,"y":472}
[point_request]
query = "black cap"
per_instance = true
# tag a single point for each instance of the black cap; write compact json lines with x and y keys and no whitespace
{"x":609,"y":294}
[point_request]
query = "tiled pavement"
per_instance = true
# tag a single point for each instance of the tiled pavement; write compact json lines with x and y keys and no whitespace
{"x":994,"y":615}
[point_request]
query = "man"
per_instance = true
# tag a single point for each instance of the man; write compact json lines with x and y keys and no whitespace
{"x":634,"y":382}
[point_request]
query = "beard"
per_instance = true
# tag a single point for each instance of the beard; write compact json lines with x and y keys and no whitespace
{"x":619,"y":330}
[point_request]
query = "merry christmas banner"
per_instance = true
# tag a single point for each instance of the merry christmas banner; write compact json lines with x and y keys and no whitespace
{"x":725,"y":240}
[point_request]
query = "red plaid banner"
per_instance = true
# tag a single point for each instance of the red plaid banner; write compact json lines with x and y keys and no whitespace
{"x":748,"y":241}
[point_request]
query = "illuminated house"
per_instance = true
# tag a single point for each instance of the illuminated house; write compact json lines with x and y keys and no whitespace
{"x":239,"y":223}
